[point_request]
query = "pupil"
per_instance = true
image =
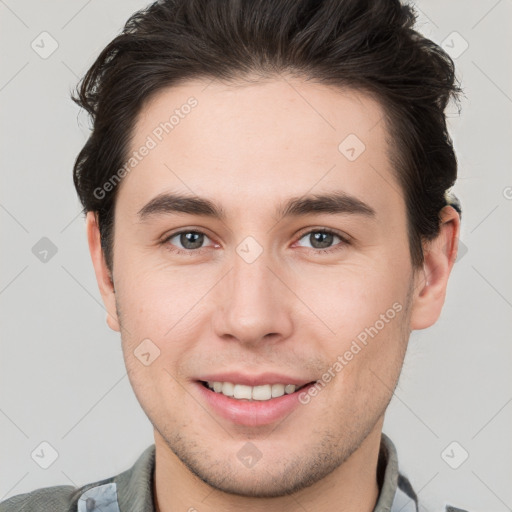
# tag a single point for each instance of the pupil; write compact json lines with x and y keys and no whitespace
{"x":187,"y":240}
{"x":324,"y":239}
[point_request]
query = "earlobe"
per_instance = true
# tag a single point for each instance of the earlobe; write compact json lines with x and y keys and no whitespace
{"x":112,"y":322}
{"x":103,"y":276}
{"x":432,"y":281}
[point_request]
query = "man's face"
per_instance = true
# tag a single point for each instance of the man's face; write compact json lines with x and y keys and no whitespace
{"x":258,"y":292}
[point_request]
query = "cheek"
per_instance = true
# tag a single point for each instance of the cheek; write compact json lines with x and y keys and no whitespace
{"x":160,"y":315}
{"x":152,"y":360}
{"x":348,"y":299}
{"x":153,"y":302}
{"x":358,"y":325}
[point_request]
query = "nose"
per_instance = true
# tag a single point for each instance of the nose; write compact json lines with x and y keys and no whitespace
{"x":255,"y":305}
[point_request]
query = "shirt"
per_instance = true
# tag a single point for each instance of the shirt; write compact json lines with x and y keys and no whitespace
{"x":132,"y":490}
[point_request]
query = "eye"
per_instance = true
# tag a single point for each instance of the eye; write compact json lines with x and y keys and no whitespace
{"x":321,"y":240}
{"x":190,"y":242}
{"x":186,"y":242}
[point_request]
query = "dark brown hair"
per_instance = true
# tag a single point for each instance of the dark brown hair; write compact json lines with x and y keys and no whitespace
{"x":367,"y":45}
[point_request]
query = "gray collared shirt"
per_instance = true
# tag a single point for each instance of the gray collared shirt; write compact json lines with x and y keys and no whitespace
{"x":132,"y":490}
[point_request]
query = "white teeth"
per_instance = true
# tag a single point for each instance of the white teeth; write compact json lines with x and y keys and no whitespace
{"x":277,"y":390}
{"x":290,"y":388}
{"x":241,"y":391}
{"x":227,"y":388}
{"x":262,"y":392}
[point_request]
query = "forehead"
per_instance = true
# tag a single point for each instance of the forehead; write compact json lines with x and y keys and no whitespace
{"x":260,"y":143}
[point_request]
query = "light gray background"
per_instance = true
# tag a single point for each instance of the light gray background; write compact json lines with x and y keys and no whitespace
{"x":62,"y":375}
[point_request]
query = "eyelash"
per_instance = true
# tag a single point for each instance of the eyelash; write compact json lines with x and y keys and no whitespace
{"x":191,"y":252}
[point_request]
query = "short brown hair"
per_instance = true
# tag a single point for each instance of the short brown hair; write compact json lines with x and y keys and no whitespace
{"x":366,"y":45}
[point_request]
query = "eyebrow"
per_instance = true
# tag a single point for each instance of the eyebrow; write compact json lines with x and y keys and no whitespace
{"x":333,"y":203}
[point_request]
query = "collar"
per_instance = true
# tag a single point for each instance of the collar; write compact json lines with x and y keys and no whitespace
{"x":396,"y":493}
{"x":132,"y":490}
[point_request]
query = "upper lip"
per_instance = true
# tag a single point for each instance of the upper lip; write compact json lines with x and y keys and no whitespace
{"x":254,"y":380}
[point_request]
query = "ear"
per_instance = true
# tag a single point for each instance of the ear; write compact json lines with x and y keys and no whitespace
{"x":103,"y":276}
{"x":431,"y":282}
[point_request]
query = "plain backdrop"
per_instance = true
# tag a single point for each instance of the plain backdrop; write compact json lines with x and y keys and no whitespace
{"x":62,"y":376}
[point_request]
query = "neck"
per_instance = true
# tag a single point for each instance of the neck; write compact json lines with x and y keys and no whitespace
{"x":349,"y":488}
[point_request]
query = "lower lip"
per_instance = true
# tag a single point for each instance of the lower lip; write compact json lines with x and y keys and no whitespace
{"x":251,"y":413}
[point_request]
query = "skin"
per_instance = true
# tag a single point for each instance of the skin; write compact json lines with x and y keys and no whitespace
{"x":292,"y":310}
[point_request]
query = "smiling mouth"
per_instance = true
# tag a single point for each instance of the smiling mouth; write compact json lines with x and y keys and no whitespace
{"x":252,"y":393}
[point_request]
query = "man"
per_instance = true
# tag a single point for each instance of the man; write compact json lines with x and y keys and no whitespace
{"x":266,"y":190}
